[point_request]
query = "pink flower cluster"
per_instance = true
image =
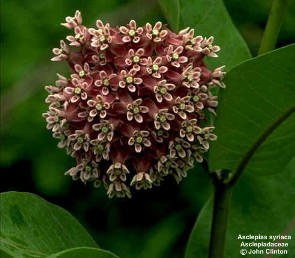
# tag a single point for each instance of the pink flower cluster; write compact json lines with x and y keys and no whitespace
{"x":135,"y":106}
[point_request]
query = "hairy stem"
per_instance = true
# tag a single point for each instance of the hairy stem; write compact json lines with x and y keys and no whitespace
{"x":273,"y":26}
{"x":222,"y":198}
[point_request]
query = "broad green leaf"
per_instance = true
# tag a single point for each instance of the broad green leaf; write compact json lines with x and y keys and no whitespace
{"x":256,"y":115}
{"x":209,"y":18}
{"x":33,"y":227}
{"x":170,"y":9}
{"x":83,"y":252}
{"x":259,"y":206}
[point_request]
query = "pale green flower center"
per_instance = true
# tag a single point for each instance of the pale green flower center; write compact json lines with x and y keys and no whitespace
{"x":77,"y":90}
{"x":182,"y":106}
{"x":98,"y":106}
{"x":155,"y":32}
{"x":106,"y":82}
{"x":81,"y":73}
{"x":190,"y":77}
{"x":155,"y":67}
{"x":88,"y":169}
{"x":162,"y":119}
{"x":100,"y":148}
{"x":139,"y":139}
{"x":102,"y":38}
{"x":160,"y":132}
{"x":136,"y":59}
{"x":135,"y":110}
{"x":105,"y":129}
{"x":189,"y":129}
{"x":178,"y":147}
{"x":175,"y":56}
{"x":131,"y":32}
{"x":196,"y":98}
{"x":163,"y":90}
{"x":129,"y":79}
{"x":80,"y":139}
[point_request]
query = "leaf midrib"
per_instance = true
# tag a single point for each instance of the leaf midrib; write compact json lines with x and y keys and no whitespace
{"x":255,"y":146}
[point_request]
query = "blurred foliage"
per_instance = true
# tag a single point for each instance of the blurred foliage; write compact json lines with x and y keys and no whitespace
{"x":29,"y":158}
{"x":25,"y":227}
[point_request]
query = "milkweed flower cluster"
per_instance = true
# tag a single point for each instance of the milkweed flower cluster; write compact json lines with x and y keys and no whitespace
{"x":133,"y":110}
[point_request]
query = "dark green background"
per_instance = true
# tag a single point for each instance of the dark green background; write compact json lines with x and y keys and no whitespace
{"x":155,"y":223}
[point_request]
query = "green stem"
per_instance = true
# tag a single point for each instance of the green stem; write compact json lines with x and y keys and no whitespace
{"x":273,"y":26}
{"x":222,"y":198}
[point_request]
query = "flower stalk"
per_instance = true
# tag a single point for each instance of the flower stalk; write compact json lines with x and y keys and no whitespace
{"x":222,"y":199}
{"x":273,"y":26}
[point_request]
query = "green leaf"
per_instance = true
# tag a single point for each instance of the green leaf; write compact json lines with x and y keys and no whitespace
{"x":33,"y":227}
{"x":170,"y":9}
{"x":209,"y":18}
{"x":4,"y":255}
{"x":83,"y":252}
{"x":256,"y":115}
{"x":260,"y":206}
